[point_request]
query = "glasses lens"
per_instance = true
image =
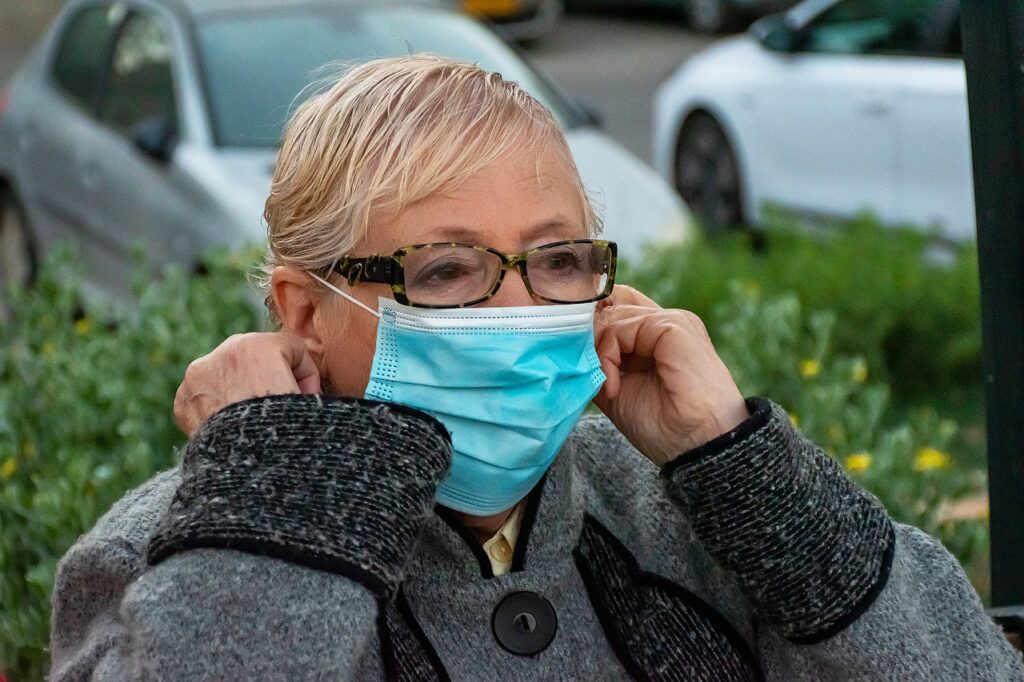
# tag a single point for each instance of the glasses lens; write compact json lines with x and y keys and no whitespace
{"x":449,"y":275}
{"x":570,"y":273}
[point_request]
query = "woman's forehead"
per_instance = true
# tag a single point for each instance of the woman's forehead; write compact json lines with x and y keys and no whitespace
{"x":517,"y":202}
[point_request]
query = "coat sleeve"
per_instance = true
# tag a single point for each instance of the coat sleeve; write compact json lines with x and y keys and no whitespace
{"x":292,"y":523}
{"x":840,"y":590}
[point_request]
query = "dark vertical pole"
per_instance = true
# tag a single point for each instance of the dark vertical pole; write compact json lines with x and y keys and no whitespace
{"x":993,"y":39}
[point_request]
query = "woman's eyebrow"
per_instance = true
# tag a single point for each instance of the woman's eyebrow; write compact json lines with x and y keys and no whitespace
{"x":465,"y":234}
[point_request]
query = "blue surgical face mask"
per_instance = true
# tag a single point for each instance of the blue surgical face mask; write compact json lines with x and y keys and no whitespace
{"x":508,"y":383}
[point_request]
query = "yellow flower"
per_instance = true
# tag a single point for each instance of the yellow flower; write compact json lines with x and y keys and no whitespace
{"x":28,"y":449}
{"x":930,"y":458}
{"x":795,"y":420}
{"x":860,"y":371}
{"x":83,"y":326}
{"x":751,"y":288}
{"x":859,"y":461}
{"x":48,"y":349}
{"x":834,"y":431}
{"x":9,"y":468}
{"x":810,"y":368}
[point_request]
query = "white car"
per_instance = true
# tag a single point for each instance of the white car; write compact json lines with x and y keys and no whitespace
{"x":156,"y":122}
{"x":833,"y":108}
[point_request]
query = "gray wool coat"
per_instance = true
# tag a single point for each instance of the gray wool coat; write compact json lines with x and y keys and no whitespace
{"x":299,"y":540}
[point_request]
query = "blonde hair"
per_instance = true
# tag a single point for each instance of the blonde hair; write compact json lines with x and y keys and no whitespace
{"x":387,"y":134}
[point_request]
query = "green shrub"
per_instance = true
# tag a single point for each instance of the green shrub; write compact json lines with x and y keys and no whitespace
{"x":911,"y":312}
{"x":85,"y":398}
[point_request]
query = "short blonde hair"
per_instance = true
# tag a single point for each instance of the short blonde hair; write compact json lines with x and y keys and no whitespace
{"x":388,"y":133}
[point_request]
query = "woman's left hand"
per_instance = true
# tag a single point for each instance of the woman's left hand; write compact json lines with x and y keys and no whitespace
{"x":667,"y":389}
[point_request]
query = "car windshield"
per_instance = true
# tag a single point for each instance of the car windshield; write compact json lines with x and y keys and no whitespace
{"x":907,"y":27}
{"x":255,"y":64}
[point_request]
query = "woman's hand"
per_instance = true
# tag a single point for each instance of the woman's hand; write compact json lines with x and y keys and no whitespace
{"x":243,"y":366}
{"x":667,"y":389}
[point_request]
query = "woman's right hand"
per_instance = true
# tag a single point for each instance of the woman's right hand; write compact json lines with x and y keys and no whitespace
{"x":243,"y":366}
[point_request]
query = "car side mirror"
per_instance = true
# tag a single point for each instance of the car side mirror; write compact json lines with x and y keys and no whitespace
{"x":775,"y":33}
{"x":155,"y":137}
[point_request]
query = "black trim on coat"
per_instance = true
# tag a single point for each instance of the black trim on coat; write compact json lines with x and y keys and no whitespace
{"x":863,"y":605}
{"x":294,"y":555}
{"x":760,"y":414}
{"x":402,"y":604}
{"x":392,"y":671}
{"x":641,"y":577}
{"x":526,"y":525}
{"x":475,"y":547}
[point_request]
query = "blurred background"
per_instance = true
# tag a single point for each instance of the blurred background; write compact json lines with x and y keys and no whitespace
{"x":796,"y":173}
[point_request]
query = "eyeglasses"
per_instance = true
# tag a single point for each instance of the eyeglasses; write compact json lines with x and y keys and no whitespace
{"x":448,"y":275}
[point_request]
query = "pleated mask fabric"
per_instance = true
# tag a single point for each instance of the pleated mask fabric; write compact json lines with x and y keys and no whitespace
{"x":508,"y":383}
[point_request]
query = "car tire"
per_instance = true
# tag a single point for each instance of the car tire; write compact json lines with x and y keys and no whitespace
{"x":17,"y":250}
{"x":707,"y":175}
{"x":711,"y":16}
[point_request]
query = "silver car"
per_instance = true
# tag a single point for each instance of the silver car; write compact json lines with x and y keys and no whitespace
{"x":156,"y":122}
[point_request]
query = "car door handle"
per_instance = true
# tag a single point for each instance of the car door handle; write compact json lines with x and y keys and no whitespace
{"x":89,"y":174}
{"x":874,"y":107}
{"x":27,"y":135}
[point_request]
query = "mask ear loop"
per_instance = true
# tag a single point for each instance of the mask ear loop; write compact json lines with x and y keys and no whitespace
{"x":344,"y":295}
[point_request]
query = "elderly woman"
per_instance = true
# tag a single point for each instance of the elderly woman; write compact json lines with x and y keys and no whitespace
{"x":400,"y":486}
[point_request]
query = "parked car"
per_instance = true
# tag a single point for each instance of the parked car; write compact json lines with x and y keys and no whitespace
{"x":831,"y":108}
{"x":706,"y":16}
{"x":520,"y":20}
{"x":157,"y":122}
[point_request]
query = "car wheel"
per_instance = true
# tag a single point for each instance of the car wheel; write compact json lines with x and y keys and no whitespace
{"x":17,"y":256}
{"x":707,"y":175}
{"x":711,"y":16}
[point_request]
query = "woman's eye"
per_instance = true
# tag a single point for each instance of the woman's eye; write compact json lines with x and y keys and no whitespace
{"x":443,"y":272}
{"x":556,"y":262}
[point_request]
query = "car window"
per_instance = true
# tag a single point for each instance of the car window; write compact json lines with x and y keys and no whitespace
{"x":82,"y":50}
{"x":141,"y":83}
{"x":893,"y":27}
{"x":255,"y":68}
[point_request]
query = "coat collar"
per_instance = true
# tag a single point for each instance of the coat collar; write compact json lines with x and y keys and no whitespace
{"x":551,"y":525}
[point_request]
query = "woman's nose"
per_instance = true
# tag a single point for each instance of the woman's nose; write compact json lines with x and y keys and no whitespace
{"x":512,"y":292}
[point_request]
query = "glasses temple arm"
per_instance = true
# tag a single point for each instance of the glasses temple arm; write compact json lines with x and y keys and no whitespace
{"x":377,"y":269}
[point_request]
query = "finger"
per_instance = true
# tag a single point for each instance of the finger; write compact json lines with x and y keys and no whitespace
{"x":629,"y":342}
{"x":181,"y":413}
{"x":310,"y":385}
{"x":304,"y":369}
{"x":613,"y":382}
{"x":684,"y":319}
{"x":623,"y":294}
{"x":620,"y":312}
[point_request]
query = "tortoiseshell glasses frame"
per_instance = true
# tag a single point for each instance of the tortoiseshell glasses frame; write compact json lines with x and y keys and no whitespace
{"x":390,"y":270}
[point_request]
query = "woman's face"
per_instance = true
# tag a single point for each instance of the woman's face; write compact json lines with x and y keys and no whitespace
{"x":518,"y":202}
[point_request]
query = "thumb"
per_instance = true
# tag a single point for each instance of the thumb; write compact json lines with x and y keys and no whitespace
{"x":304,"y":369}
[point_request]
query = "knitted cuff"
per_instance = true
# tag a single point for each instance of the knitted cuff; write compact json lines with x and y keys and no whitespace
{"x":810,"y":547}
{"x":339,"y":485}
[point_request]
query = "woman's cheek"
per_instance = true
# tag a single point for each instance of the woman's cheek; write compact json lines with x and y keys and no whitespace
{"x":348,"y":357}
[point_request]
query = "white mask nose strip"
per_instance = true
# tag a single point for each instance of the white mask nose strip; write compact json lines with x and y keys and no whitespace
{"x":533,"y":319}
{"x":344,"y":295}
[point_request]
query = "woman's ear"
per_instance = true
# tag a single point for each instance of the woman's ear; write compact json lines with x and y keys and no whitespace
{"x":297,"y":303}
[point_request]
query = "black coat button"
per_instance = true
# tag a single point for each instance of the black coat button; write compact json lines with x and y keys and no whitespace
{"x":524,"y":623}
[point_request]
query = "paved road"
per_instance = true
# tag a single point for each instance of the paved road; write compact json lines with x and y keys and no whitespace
{"x":612,"y":64}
